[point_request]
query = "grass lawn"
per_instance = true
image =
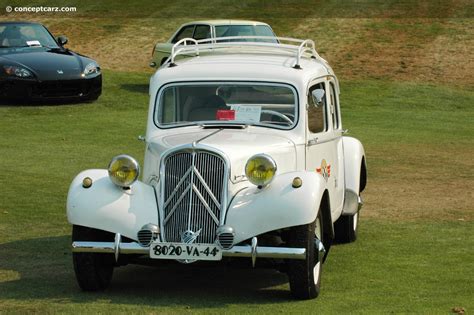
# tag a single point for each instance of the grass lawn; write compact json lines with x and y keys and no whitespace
{"x":407,"y":77}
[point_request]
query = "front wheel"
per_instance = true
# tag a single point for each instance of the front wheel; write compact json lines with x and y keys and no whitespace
{"x":93,"y":271}
{"x":305,"y":275}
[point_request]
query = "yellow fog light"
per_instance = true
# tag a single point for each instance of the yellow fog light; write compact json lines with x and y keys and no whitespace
{"x":260,"y":169}
{"x":123,"y":170}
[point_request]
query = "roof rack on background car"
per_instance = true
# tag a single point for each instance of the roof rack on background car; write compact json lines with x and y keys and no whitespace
{"x":285,"y":45}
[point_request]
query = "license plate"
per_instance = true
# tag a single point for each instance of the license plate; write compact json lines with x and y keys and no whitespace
{"x":185,"y":251}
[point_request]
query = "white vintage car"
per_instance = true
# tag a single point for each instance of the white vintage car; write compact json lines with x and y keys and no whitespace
{"x":245,"y":160}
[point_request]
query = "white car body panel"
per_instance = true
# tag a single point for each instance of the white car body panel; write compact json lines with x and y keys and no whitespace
{"x":105,"y":206}
{"x":353,"y":155}
{"x":255,"y":211}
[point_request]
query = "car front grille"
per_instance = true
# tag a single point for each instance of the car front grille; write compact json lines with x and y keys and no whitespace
{"x":60,"y":88}
{"x":193,"y":192}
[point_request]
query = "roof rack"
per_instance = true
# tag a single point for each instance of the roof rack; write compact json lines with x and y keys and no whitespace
{"x":283,"y":45}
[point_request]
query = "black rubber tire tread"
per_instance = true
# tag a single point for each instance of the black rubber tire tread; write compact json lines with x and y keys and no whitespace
{"x":300,"y":272}
{"x":93,"y":271}
{"x":344,"y":231}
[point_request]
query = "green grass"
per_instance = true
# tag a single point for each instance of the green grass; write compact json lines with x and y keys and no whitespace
{"x":392,"y":268}
{"x":398,"y":265}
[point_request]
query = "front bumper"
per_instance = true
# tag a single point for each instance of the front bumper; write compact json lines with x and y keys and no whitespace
{"x":252,"y":251}
{"x":52,"y":90}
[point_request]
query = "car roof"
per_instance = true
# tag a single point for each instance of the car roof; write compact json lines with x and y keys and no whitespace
{"x":245,"y":67}
{"x":226,"y":22}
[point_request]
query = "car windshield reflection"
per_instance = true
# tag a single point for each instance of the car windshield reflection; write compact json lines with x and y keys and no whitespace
{"x":20,"y":35}
{"x":267,"y":105}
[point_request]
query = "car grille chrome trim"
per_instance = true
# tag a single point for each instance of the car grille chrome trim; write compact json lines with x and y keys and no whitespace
{"x":193,"y":184}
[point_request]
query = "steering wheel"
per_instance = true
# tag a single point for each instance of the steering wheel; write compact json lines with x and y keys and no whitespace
{"x":279,"y":115}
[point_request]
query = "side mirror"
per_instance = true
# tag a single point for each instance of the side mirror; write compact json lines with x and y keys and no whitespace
{"x":318,"y":96}
{"x":62,"y":40}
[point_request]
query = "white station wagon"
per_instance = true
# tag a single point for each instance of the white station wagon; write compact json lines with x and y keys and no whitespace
{"x":245,"y":160}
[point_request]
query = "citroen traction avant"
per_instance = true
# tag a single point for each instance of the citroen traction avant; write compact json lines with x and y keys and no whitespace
{"x":245,"y":159}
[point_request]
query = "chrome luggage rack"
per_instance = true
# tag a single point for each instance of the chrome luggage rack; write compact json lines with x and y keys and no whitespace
{"x":288,"y":46}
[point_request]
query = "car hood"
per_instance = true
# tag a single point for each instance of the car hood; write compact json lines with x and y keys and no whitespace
{"x":238,"y":145}
{"x":48,"y":65}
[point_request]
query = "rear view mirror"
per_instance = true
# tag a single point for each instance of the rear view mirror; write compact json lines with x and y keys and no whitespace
{"x":62,"y":40}
{"x":318,"y":96}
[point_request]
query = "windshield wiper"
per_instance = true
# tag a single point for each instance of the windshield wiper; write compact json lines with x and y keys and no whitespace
{"x":52,"y":48}
{"x":223,"y":125}
{"x":13,"y":46}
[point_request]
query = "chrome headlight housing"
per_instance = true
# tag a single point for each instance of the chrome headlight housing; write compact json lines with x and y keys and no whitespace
{"x":91,"y":68}
{"x":18,"y":71}
{"x":260,"y":169}
{"x":123,"y":170}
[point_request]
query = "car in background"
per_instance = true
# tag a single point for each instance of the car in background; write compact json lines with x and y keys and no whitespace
{"x":35,"y":66}
{"x":200,"y":30}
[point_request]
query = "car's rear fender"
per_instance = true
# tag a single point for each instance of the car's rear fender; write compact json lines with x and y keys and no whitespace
{"x":254,"y":211}
{"x":354,"y":173}
{"x":107,"y":207}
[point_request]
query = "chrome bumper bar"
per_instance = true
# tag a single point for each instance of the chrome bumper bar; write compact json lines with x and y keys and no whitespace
{"x":252,"y":251}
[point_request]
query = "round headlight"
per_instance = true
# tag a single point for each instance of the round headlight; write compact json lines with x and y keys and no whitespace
{"x":123,"y":170}
{"x":260,"y":169}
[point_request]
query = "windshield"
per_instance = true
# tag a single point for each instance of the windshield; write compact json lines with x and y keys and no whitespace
{"x":25,"y":35}
{"x":245,"y":30}
{"x":269,"y":105}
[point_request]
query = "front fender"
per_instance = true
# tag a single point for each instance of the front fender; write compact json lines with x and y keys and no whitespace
{"x":107,"y":207}
{"x":255,"y":211}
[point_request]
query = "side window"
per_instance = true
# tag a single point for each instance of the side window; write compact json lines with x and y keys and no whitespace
{"x":202,"y":32}
{"x":316,"y":112}
{"x":186,"y":31}
{"x":334,"y":112}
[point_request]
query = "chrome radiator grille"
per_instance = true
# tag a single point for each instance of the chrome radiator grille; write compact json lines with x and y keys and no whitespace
{"x":193,"y":192}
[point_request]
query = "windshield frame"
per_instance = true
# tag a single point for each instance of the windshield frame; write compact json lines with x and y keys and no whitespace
{"x":162,"y":88}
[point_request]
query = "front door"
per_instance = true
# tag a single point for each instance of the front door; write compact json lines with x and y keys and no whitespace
{"x":324,"y":142}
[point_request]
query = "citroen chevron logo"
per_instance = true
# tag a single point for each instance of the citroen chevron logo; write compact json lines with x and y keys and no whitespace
{"x":188,"y":181}
{"x":189,"y":236}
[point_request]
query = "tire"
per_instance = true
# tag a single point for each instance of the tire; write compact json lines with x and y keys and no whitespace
{"x":345,"y":228}
{"x":93,"y":271}
{"x":305,"y":275}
